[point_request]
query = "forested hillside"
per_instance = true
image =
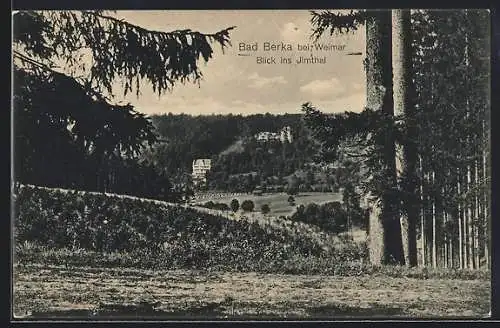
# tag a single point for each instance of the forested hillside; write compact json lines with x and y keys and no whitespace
{"x":240,"y":162}
{"x":185,"y":137}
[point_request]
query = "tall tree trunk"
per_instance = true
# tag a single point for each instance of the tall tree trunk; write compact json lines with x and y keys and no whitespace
{"x":460,"y":224}
{"x":487,"y":229}
{"x":486,"y":138}
{"x":452,"y":254}
{"x":428,"y":213}
{"x":445,"y":232}
{"x":434,"y":240}
{"x":485,"y":196}
{"x":470,"y":232}
{"x":406,"y":156}
{"x":476,"y":215}
{"x":384,"y":224}
{"x":469,"y":146}
{"x":422,"y":215}
{"x":465,"y":225}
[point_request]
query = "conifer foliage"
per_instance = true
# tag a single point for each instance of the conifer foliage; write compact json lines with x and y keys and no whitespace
{"x":68,"y":131}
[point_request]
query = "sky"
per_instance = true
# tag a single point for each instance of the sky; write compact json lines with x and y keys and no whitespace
{"x":237,"y":84}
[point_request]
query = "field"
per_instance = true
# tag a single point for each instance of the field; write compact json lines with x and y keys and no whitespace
{"x":81,"y":254}
{"x":81,"y":292}
{"x":278,"y":202}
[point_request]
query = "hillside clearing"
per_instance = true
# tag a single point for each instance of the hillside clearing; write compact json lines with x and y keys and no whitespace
{"x":56,"y":291}
{"x":278,"y":202}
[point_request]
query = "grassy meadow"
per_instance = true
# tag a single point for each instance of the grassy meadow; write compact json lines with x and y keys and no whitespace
{"x":47,"y":291}
{"x":90,"y":255}
{"x":278,"y":202}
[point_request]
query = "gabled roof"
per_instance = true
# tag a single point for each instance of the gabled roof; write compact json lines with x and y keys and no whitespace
{"x":202,"y":161}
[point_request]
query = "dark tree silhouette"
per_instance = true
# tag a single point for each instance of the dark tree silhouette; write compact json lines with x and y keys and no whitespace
{"x":247,"y":205}
{"x":235,"y":205}
{"x":67,"y":129}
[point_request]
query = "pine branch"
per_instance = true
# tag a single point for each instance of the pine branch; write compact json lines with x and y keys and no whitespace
{"x":120,"y":49}
{"x":175,"y":33}
{"x":32,"y":61}
{"x":336,"y":23}
{"x":79,"y":82}
{"x":51,"y":95}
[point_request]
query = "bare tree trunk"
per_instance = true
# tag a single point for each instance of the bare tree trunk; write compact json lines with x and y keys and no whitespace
{"x":476,"y":217}
{"x":486,"y":203}
{"x":434,"y":248}
{"x":486,"y":168}
{"x":480,"y":205}
{"x":460,"y":226}
{"x":486,"y":150}
{"x":470,"y":232}
{"x":428,"y":213}
{"x":452,"y":254}
{"x":422,"y":214}
{"x":406,"y":155}
{"x":469,"y":187}
{"x":445,"y":234}
{"x":465,"y":228}
{"x":383,"y":245}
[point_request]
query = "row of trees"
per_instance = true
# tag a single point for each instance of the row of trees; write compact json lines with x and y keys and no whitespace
{"x":234,"y":205}
{"x":333,"y":216}
{"x":454,"y":167}
{"x":425,"y":133}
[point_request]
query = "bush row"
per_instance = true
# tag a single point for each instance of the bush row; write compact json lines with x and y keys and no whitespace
{"x":331,"y":216}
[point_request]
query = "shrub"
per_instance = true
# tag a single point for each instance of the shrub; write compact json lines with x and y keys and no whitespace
{"x":247,"y":206}
{"x":221,"y":207}
{"x":329,"y":216}
{"x":265,"y":209}
{"x":216,"y":206}
{"x":235,"y":205}
{"x":209,"y":204}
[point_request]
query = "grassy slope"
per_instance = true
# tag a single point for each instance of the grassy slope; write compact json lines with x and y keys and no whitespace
{"x":189,"y":237}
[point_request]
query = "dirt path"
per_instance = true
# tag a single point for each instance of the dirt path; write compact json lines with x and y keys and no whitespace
{"x":49,"y":291}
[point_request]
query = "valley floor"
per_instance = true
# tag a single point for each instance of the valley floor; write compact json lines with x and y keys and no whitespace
{"x":42,"y":291}
{"x":278,"y":202}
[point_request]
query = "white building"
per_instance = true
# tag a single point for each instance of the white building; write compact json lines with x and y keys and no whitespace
{"x":200,"y":168}
{"x":266,"y":136}
{"x":285,"y":134}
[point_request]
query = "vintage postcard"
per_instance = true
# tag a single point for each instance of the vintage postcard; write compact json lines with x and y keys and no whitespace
{"x":251,"y":165}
